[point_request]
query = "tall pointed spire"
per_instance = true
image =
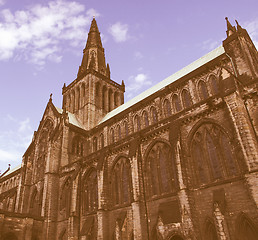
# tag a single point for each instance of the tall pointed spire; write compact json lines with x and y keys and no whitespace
{"x":230,"y":28}
{"x":94,"y":35}
{"x":93,"y":53}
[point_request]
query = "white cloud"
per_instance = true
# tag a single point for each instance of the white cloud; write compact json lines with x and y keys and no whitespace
{"x":252,"y":29}
{"x":119,"y":32}
{"x":14,"y":142}
{"x":210,"y":44}
{"x":2,"y":2}
{"x":41,"y":31}
{"x":138,"y":55}
{"x":136,"y":83}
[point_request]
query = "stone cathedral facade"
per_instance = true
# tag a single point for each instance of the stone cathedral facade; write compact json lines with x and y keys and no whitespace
{"x":178,"y":162}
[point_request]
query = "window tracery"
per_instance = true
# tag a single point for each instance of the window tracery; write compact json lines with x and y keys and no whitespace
{"x":213,"y":154}
{"x":77,"y":146}
{"x":65,"y":200}
{"x":90,"y":192}
{"x":161,"y":171}
{"x":121,"y":184}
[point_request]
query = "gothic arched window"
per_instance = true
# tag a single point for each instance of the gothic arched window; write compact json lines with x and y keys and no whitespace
{"x":203,"y":92}
{"x":214,"y":84}
{"x":246,"y":229}
{"x":97,"y":95}
{"x":187,"y":101}
{"x":146,"y":119}
{"x":154,"y":115}
{"x":121,"y":184}
{"x":45,"y":132}
{"x":65,"y":200}
{"x":95,"y":144}
{"x":110,"y":100}
{"x":137,"y":122}
{"x":105,"y":98}
{"x":90,"y":192}
{"x":212,"y":154}
{"x":102,"y":143}
{"x":112,"y":135}
{"x":161,"y":170}
{"x":126,"y":128}
{"x":167,"y":108}
{"x":77,"y":146}
{"x":119,"y":132}
{"x":211,"y":233}
{"x":176,"y":103}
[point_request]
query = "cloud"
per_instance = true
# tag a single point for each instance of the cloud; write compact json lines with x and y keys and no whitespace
{"x":252,"y":29}
{"x":136,"y":83}
{"x":210,"y":44}
{"x":40,"y":32}
{"x":14,"y":141}
{"x":138,"y":55}
{"x":119,"y":32}
{"x":2,"y":2}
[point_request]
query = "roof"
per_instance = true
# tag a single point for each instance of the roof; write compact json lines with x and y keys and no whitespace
{"x":71,"y":117}
{"x":11,"y":170}
{"x":181,"y":73}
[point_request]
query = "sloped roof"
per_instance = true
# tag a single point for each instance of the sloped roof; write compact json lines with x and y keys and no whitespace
{"x":11,"y":170}
{"x":181,"y":73}
{"x":72,"y":118}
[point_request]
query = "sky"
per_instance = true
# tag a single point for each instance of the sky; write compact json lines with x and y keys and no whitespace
{"x":145,"y":41}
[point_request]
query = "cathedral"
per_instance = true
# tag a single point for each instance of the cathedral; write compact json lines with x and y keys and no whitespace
{"x":177,"y":162}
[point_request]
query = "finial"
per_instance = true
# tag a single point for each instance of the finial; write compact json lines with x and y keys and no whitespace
{"x":50,"y":97}
{"x":64,"y":85}
{"x":93,"y":17}
{"x":230,"y":28}
{"x":238,"y":26}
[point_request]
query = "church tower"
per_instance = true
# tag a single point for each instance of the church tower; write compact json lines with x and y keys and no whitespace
{"x":93,"y":94}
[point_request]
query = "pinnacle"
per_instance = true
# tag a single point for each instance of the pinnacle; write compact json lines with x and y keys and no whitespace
{"x":94,"y":26}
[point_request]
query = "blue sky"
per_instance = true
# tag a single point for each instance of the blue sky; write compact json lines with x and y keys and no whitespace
{"x":41,"y":45}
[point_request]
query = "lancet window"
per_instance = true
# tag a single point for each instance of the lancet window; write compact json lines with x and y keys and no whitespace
{"x":90,"y":192}
{"x":203,"y":92}
{"x":214,"y":84}
{"x":65,"y":200}
{"x":187,"y":101}
{"x":137,"y":123}
{"x":176,"y":103}
{"x":161,"y":170}
{"x":77,"y":146}
{"x":154,"y":115}
{"x":146,"y":119}
{"x":167,"y":108}
{"x":121,"y":183}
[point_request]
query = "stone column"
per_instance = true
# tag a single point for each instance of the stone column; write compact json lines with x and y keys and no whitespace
{"x":187,"y":224}
{"x":102,"y":215}
{"x":138,"y":208}
{"x":246,"y":138}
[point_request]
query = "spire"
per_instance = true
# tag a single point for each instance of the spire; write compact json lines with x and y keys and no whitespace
{"x":230,"y":28}
{"x":94,"y":36}
{"x":93,"y":53}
